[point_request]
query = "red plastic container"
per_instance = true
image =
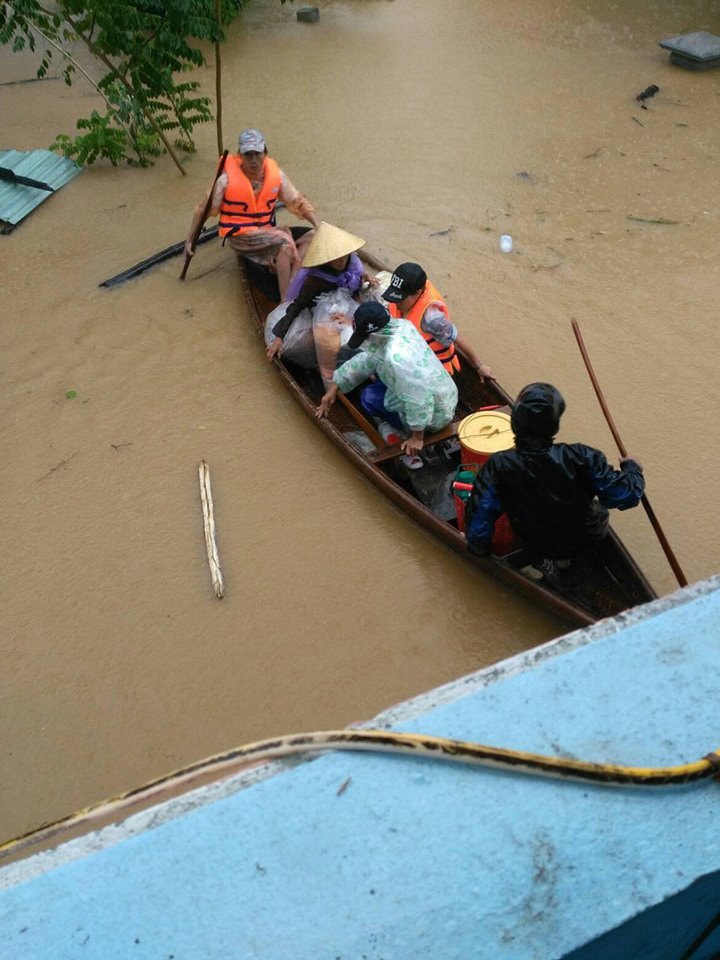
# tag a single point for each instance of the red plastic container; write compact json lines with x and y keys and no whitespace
{"x":482,"y":434}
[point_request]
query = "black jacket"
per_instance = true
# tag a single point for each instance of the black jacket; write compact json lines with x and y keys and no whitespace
{"x":555,"y":494}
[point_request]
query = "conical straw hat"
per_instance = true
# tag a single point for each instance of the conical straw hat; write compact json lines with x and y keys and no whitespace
{"x":330,"y":243}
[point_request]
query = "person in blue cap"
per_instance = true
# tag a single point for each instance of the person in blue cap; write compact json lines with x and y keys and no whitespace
{"x":556,"y":495}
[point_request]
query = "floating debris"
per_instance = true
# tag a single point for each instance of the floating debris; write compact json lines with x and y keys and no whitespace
{"x":662,"y":220}
{"x":695,"y":51}
{"x":546,"y":266}
{"x":209,"y":528}
{"x":34,"y":175}
{"x":58,"y":465}
{"x":343,"y":787}
{"x":646,"y":94}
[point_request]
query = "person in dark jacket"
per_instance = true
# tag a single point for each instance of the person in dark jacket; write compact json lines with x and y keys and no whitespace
{"x":556,"y":495}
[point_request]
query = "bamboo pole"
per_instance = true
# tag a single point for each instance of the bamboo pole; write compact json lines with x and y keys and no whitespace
{"x":203,"y":216}
{"x":209,"y":527}
{"x":218,"y":79}
{"x":667,"y":549}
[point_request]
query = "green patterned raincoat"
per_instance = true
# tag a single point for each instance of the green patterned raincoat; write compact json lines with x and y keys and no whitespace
{"x":419,"y":389}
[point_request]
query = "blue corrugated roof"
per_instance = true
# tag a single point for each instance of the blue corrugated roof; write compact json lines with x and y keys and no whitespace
{"x":17,"y":201}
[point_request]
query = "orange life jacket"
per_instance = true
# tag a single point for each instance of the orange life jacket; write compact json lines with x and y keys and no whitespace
{"x":242,"y":210}
{"x":444,"y":352}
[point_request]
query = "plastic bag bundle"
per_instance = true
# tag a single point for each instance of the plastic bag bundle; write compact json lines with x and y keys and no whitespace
{"x":335,"y":310}
{"x":369,"y":291}
{"x":332,"y":328}
{"x":298,"y":342}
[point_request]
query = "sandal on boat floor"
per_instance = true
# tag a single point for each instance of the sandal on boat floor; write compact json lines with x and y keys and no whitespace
{"x":411,"y":461}
{"x":532,"y":572}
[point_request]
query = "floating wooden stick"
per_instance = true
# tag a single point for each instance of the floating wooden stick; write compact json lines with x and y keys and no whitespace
{"x":672,"y":223}
{"x":58,"y":465}
{"x":209,"y":525}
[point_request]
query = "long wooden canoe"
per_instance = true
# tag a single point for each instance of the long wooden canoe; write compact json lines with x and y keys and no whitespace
{"x":599,"y":584}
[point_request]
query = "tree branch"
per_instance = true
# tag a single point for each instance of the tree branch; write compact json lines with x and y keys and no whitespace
{"x":84,"y":72}
{"x":99,"y":55}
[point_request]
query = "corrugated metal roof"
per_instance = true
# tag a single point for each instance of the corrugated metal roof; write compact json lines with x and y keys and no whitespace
{"x":17,"y":201}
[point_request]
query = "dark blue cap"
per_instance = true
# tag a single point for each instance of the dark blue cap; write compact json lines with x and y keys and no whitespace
{"x":369,"y":318}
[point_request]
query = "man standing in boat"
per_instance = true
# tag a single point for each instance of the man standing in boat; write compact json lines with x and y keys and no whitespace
{"x":556,"y":495}
{"x":412,"y":296}
{"x":245,"y":196}
{"x":413,"y":392}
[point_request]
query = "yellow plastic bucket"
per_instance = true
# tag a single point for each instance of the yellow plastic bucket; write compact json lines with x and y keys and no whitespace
{"x":483,"y":433}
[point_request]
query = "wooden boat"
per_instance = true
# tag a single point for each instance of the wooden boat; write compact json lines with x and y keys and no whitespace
{"x":599,"y":584}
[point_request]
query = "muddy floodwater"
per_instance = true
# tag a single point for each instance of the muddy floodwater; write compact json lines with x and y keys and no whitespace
{"x":429,"y":129}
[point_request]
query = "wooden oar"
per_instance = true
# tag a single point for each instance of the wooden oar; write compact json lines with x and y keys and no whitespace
{"x":677,"y":570}
{"x":203,"y":218}
{"x":364,"y":424}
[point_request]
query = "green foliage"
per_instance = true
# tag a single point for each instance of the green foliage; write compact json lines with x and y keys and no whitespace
{"x":141,"y":50}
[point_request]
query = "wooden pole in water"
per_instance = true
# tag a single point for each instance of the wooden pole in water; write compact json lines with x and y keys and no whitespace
{"x":218,"y":79}
{"x":667,"y":549}
{"x":209,"y":527}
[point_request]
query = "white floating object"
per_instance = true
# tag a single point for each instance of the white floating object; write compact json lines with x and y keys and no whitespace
{"x":506,"y":243}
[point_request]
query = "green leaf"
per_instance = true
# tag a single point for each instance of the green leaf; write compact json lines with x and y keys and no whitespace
{"x":140,"y":54}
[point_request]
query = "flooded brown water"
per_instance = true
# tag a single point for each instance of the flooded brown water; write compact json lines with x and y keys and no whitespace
{"x":429,"y":129}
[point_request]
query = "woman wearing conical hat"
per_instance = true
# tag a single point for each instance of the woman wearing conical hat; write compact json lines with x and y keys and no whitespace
{"x":329,"y":263}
